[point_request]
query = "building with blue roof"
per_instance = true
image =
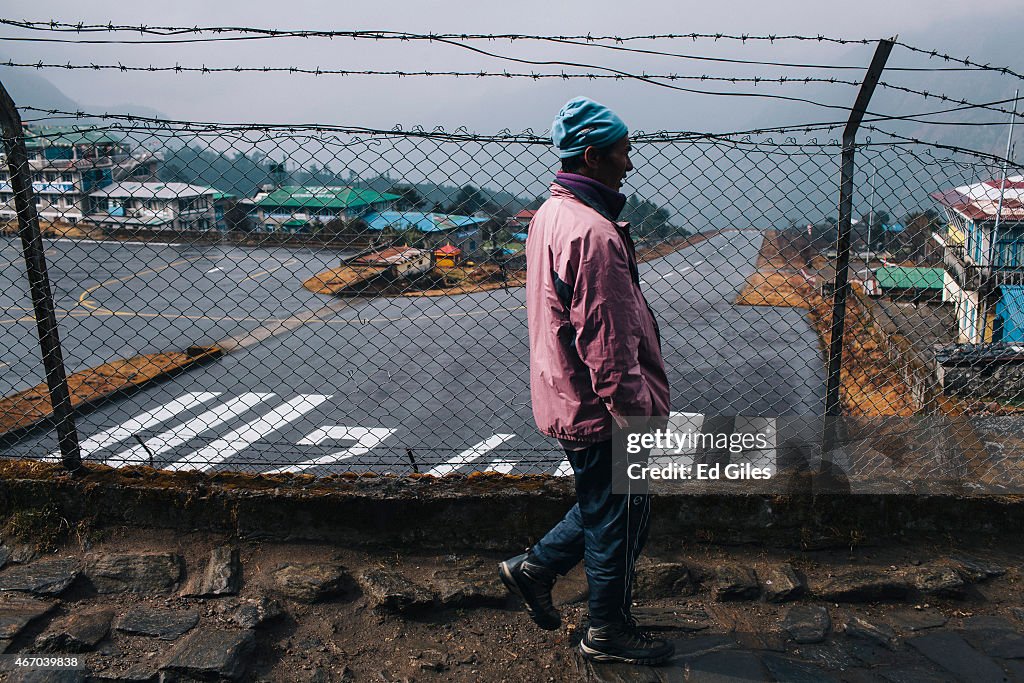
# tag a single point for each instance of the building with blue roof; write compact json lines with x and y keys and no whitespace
{"x":436,"y":229}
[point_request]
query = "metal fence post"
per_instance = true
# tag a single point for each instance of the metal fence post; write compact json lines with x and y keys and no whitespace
{"x":835,"y":351}
{"x":39,"y":282}
{"x":833,"y":407}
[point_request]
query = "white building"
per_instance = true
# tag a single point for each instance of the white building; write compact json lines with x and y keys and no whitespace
{"x":67,"y":165}
{"x":153,"y":206}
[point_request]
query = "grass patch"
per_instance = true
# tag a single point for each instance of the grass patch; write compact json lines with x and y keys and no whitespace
{"x":43,"y":528}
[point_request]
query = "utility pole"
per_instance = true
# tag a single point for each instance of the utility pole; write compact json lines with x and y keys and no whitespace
{"x":871,"y":212}
{"x":1002,"y":187}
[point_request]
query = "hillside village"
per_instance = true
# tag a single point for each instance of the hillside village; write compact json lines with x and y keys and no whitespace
{"x":92,"y":179}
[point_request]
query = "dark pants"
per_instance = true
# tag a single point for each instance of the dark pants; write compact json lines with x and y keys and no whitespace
{"x":605,"y":530}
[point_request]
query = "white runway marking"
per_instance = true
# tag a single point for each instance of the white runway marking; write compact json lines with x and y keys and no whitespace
{"x":146,"y":420}
{"x":175,"y":436}
{"x":214,"y":270}
{"x":501,"y":466}
{"x":564,"y":470}
{"x":470,"y":454}
{"x":225,"y":447}
{"x":365,"y":439}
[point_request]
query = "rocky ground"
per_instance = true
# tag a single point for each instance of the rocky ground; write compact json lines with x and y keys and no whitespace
{"x":153,"y":605}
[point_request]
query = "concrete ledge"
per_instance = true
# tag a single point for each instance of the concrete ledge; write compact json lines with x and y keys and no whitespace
{"x":476,"y":512}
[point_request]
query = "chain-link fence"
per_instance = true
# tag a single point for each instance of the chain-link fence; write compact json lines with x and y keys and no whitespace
{"x":321,"y":300}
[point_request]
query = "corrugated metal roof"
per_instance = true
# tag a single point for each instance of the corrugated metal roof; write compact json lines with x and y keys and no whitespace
{"x":292,"y":196}
{"x":390,"y":255}
{"x":970,"y":354}
{"x":899,"y":277}
{"x":131,"y":190}
{"x":980,"y":201}
{"x":424,"y":222}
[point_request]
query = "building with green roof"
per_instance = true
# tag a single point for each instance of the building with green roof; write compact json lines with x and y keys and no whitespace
{"x":293,"y":208}
{"x":67,"y":142}
{"x":911,"y":284}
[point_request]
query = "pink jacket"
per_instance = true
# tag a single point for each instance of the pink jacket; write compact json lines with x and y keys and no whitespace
{"x":595,"y":348}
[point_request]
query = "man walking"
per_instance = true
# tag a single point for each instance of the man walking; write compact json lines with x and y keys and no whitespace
{"x":595,"y":360}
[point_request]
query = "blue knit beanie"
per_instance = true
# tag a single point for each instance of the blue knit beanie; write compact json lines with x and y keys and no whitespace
{"x":583,"y":123}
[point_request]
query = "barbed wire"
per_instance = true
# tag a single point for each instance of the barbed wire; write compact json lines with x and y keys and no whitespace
{"x":169,"y":128}
{"x":991,"y":158}
{"x":915,"y":118}
{"x":317,"y":71}
{"x":909,"y":117}
{"x":81,"y":27}
{"x":615,"y":74}
{"x":1006,"y":71}
{"x":430,"y":38}
{"x":728,"y":60}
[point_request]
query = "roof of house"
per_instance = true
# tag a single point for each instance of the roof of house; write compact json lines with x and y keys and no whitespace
{"x":521,"y":236}
{"x":899,"y":277}
{"x":321,"y":197}
{"x":424,"y":222}
{"x":218,"y":195}
{"x":152,"y":190}
{"x":448,"y":250}
{"x":526,"y":214}
{"x":390,"y":255}
{"x":980,"y":201}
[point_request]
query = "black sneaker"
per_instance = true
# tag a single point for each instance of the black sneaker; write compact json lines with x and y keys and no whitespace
{"x":625,"y":643}
{"x":533,"y":583}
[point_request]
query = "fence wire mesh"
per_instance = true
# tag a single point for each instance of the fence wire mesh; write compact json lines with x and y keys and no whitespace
{"x":274,"y":299}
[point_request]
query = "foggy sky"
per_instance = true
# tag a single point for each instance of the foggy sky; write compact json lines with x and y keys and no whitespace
{"x":479,"y":104}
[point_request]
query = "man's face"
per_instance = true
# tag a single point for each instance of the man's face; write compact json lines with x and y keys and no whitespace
{"x":612,"y":166}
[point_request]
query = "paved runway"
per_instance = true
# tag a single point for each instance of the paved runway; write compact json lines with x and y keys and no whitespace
{"x":441,"y":381}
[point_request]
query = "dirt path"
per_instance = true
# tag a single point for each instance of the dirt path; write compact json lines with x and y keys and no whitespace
{"x":31,"y":407}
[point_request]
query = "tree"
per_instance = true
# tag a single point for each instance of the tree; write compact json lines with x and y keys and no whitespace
{"x":649,"y":221}
{"x":409,"y":198}
{"x":918,"y":227}
{"x":471,"y":200}
{"x":871,"y":227}
{"x":468,"y":201}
